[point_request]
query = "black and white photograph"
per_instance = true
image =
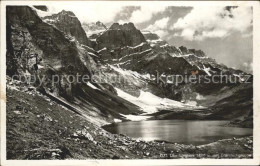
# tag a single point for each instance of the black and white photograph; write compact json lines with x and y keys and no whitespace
{"x":118,"y":81}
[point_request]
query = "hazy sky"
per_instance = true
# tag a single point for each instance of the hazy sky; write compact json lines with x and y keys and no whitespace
{"x":223,"y":33}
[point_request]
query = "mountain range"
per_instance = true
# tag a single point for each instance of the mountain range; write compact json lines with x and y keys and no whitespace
{"x":63,"y":47}
{"x":60,"y":44}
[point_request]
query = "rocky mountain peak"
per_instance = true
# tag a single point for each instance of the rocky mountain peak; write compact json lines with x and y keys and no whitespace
{"x":125,"y":26}
{"x":198,"y":53}
{"x":68,"y":13}
{"x":184,"y":50}
{"x":100,"y":24}
{"x":68,"y":23}
{"x":119,"y":35}
{"x":150,"y":36}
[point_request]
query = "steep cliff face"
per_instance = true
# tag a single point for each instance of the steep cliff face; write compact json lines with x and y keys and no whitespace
{"x":36,"y":48}
{"x":163,"y":63}
{"x":36,"y":42}
{"x":18,"y":38}
{"x":150,"y":56}
{"x":118,"y":36}
{"x":67,"y":22}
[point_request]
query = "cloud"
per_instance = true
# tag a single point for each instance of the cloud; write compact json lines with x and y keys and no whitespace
{"x":145,"y":13}
{"x":159,"y":27}
{"x":162,"y":23}
{"x":92,"y":12}
{"x":248,"y":66}
{"x":89,"y":12}
{"x":161,"y":33}
{"x":213,"y":22}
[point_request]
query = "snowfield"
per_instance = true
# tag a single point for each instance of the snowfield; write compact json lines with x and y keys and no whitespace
{"x":117,"y":120}
{"x":125,"y":72}
{"x":150,"y":103}
{"x":136,"y":117}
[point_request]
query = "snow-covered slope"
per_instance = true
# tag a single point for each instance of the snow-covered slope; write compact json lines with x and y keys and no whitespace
{"x":150,"y":103}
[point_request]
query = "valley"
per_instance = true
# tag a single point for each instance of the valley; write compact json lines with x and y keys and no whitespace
{"x":127,"y":71}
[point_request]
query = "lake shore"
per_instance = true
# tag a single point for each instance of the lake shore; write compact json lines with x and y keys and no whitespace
{"x":40,"y":129}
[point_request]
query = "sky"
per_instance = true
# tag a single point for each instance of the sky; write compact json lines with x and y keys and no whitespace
{"x":222,"y":32}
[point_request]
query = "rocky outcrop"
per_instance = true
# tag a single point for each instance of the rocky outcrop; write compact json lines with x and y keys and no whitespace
{"x":185,"y":50}
{"x":21,"y":50}
{"x":164,"y":64}
{"x":150,"y":36}
{"x":199,"y":53}
{"x":29,"y":36}
{"x":68,"y":23}
{"x":41,"y":49}
{"x":160,"y":45}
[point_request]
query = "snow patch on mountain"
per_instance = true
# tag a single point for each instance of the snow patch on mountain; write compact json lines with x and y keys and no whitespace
{"x":191,"y":103}
{"x":137,"y":101}
{"x":136,"y":53}
{"x":91,"y":85}
{"x":139,"y":45}
{"x":149,"y":103}
{"x":129,"y":72}
{"x":154,"y":42}
{"x":117,"y":120}
{"x":207,"y":69}
{"x":136,"y":117}
{"x":150,"y":99}
{"x":200,"y":97}
{"x":89,"y":33}
{"x":239,"y":76}
{"x":146,"y":32}
{"x":103,"y":49}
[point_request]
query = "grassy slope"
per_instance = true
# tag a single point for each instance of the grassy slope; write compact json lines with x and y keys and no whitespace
{"x":36,"y":128}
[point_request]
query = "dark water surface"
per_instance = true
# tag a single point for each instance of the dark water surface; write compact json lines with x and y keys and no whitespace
{"x":179,"y":131}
